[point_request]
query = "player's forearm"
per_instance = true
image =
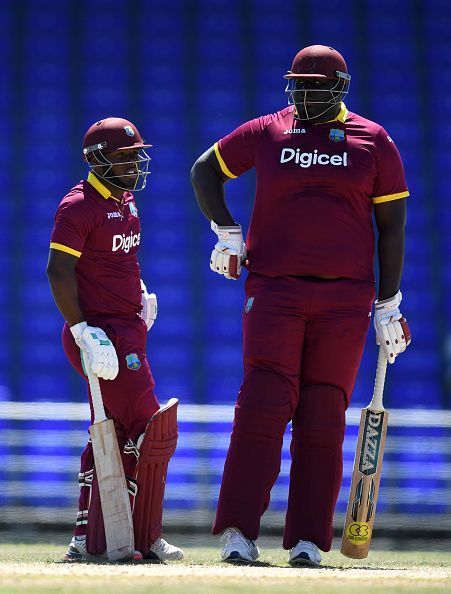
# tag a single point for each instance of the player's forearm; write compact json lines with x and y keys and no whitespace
{"x":391,"y":258}
{"x":65,"y":293}
{"x":209,"y":191}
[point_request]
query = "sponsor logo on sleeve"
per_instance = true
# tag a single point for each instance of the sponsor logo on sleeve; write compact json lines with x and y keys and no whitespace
{"x":306,"y":160}
{"x":133,"y":209}
{"x":125,"y":242}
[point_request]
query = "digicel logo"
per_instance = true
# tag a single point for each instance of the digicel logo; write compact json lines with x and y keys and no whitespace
{"x":122,"y":242}
{"x":308,"y":159}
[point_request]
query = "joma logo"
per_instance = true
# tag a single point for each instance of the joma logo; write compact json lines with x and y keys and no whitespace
{"x":371,"y":442}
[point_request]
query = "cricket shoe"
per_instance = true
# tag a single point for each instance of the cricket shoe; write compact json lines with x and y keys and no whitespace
{"x":304,"y":554}
{"x":163,"y":551}
{"x":77,"y":551}
{"x":237,"y":547}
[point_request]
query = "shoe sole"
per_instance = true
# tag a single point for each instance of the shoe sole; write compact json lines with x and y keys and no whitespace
{"x":303,"y":563}
{"x":235,"y":557}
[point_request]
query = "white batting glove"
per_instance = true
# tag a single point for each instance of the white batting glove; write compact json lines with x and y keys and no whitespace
{"x":392,"y":330}
{"x":150,"y":306}
{"x":101,"y":352}
{"x":230,"y":251}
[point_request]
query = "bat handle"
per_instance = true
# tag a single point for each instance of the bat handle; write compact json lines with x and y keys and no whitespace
{"x":376,"y":402}
{"x":94,"y":386}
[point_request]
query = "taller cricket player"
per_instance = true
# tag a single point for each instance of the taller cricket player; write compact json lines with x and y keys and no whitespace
{"x":322,"y":173}
{"x":96,"y":283}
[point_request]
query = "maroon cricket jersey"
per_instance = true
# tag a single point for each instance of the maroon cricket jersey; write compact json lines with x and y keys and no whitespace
{"x":105,"y":234}
{"x":316,"y":186}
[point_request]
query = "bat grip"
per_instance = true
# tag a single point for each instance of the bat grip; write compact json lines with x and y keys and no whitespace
{"x":376,"y":402}
{"x":94,"y":386}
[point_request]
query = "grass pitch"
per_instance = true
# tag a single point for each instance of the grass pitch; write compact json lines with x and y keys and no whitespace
{"x":37,"y":568}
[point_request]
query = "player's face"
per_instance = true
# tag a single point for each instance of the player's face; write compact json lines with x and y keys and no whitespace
{"x":315,"y":97}
{"x":125,"y":167}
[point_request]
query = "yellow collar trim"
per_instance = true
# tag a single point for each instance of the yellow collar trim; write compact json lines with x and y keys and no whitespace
{"x":97,"y":185}
{"x":342,"y":115}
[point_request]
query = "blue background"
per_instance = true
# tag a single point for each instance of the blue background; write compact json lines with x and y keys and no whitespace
{"x":187,"y":73}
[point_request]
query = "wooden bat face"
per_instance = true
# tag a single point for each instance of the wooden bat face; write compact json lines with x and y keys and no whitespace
{"x":114,"y":496}
{"x":365,"y":484}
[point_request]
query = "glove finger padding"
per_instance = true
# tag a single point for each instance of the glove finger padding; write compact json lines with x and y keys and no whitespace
{"x":229,"y":252}
{"x":406,"y":331}
{"x":227,"y":264}
{"x":101,"y":352}
{"x":400,"y":337}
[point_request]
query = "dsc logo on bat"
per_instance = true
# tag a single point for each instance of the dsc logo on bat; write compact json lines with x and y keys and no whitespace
{"x":372,"y":441}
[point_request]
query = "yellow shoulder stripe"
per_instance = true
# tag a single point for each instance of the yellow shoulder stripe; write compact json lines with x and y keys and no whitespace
{"x":390,"y":197}
{"x":223,"y":166}
{"x":64,"y":248}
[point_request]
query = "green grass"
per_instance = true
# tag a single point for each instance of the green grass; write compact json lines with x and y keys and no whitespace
{"x":37,"y":568}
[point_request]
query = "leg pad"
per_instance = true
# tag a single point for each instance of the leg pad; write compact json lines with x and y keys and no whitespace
{"x":156,"y":448}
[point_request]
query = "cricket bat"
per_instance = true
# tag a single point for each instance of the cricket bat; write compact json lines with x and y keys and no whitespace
{"x":114,"y":497}
{"x":366,"y":474}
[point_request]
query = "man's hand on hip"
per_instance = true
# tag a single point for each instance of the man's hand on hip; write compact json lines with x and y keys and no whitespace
{"x":392,"y":330}
{"x":101,"y":352}
{"x":230,"y":251}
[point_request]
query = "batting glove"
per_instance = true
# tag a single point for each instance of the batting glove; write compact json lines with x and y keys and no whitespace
{"x":101,"y":352}
{"x":230,"y":251}
{"x":149,"y":306}
{"x":392,"y":330}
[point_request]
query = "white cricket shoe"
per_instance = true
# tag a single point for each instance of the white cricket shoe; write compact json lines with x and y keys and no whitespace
{"x":305,"y":554}
{"x":237,"y":547}
{"x":163,"y":551}
{"x":77,"y":551}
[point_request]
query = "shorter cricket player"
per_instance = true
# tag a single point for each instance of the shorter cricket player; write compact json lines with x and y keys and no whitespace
{"x":95,"y":279}
{"x":322,"y":172}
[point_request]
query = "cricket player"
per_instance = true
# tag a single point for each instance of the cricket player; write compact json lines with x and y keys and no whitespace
{"x":95,"y":279}
{"x":321,"y":173}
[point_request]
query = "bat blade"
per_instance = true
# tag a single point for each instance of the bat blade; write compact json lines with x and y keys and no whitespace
{"x":364,"y":491}
{"x":114,"y":496}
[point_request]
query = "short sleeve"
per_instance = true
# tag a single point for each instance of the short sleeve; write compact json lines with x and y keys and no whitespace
{"x":390,"y":182}
{"x":236,"y":151}
{"x":73,"y":223}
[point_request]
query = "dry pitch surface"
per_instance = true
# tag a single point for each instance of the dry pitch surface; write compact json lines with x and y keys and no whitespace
{"x":37,"y":568}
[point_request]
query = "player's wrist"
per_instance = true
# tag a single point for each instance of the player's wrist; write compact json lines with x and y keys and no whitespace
{"x":225,"y":231}
{"x":389,"y":303}
{"x":78,"y":329}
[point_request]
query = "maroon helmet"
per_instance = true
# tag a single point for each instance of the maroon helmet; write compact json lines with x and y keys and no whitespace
{"x":318,"y":61}
{"x":305,"y":87}
{"x":111,"y":135}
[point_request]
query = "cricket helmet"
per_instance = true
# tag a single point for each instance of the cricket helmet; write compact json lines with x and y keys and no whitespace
{"x":111,"y":135}
{"x":317,"y":62}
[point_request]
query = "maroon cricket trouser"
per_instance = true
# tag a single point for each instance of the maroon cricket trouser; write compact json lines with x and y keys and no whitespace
{"x":129,"y":399}
{"x":303,"y":340}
